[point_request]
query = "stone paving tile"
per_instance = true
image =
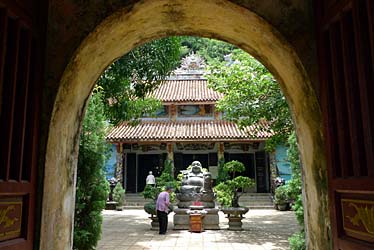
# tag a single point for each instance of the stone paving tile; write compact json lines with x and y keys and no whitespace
{"x":262,"y":230}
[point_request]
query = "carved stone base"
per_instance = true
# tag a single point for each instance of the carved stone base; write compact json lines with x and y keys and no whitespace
{"x":182,"y":219}
{"x":111,"y":205}
{"x":235,"y":216}
{"x":235,"y":223}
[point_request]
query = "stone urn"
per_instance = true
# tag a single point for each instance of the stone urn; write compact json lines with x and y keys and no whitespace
{"x":235,"y":216}
{"x":154,"y":223}
{"x":282,"y":207}
{"x":150,"y":208}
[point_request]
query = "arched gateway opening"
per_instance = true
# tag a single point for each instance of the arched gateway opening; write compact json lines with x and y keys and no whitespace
{"x":152,"y":19}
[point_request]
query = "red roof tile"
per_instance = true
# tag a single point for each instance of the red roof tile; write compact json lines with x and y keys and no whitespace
{"x":198,"y":130}
{"x":195,"y":90}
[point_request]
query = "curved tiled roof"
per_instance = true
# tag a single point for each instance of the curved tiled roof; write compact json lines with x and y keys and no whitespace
{"x":197,"y":130}
{"x":194,"y":90}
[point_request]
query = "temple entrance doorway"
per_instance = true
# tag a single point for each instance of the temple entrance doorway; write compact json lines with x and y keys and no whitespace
{"x":146,"y":163}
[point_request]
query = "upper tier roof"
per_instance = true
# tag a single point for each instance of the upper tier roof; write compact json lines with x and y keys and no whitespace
{"x":177,"y":91}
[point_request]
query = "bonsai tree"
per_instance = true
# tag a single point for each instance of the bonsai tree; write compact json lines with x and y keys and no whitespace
{"x":119,"y":195}
{"x":228,"y":190}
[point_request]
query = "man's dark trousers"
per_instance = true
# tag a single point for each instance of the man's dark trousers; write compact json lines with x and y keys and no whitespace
{"x":163,"y":221}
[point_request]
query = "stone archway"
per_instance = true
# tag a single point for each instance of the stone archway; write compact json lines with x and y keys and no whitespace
{"x":151,"y":19}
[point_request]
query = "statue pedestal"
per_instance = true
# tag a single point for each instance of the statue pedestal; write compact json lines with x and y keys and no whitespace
{"x":182,"y":219}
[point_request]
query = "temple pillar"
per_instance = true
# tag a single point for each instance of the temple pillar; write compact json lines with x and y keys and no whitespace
{"x":273,"y":170}
{"x":221,"y":151}
{"x":221,"y":161}
{"x":170,"y":155}
{"x":119,"y":163}
{"x":173,"y":112}
{"x":217,"y":115}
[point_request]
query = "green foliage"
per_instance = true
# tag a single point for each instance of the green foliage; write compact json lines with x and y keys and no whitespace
{"x":222,"y":174}
{"x":251,"y":95}
{"x":227,"y":191}
{"x":299,"y":210}
{"x":92,"y":188}
{"x":166,"y":179}
{"x":281,"y":195}
{"x":233,"y":167}
{"x":293,"y":156}
{"x":150,"y":208}
{"x":127,"y":82}
{"x":151,"y":192}
{"x":297,"y":241}
{"x":119,"y":194}
{"x":211,"y":50}
{"x":224,"y":194}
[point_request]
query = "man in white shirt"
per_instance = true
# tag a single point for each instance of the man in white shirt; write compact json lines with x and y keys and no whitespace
{"x":150,"y":179}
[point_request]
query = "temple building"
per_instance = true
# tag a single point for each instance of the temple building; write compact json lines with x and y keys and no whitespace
{"x":188,"y":127}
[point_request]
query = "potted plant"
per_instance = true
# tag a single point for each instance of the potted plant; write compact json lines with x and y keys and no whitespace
{"x":281,"y":197}
{"x":228,"y":193}
{"x":152,"y":192}
{"x":119,"y":196}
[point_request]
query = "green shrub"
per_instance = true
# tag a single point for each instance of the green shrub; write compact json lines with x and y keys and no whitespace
{"x":92,"y":188}
{"x":233,"y":167}
{"x":227,"y":191}
{"x":166,"y":178}
{"x":151,"y":192}
{"x":150,"y":208}
{"x":281,"y":195}
{"x":297,"y":241}
{"x":222,"y":174}
{"x":299,"y":210}
{"x":119,"y":194}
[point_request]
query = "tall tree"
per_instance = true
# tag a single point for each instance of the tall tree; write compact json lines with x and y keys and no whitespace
{"x":92,"y":188}
{"x":127,"y":82}
{"x":250,"y":95}
{"x":211,"y":50}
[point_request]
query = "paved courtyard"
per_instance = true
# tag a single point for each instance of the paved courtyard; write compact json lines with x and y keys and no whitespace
{"x":263,"y":230}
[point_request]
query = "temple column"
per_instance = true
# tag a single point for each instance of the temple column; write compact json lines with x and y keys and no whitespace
{"x":221,"y":161}
{"x":273,"y":170}
{"x":119,"y":163}
{"x":173,"y":112}
{"x":221,"y":151}
{"x":170,"y":156}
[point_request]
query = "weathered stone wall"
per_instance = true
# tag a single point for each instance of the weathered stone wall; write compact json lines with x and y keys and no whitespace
{"x":86,"y":36}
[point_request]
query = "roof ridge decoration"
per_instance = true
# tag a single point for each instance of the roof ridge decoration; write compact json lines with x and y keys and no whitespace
{"x":193,"y":62}
{"x":192,"y":67}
